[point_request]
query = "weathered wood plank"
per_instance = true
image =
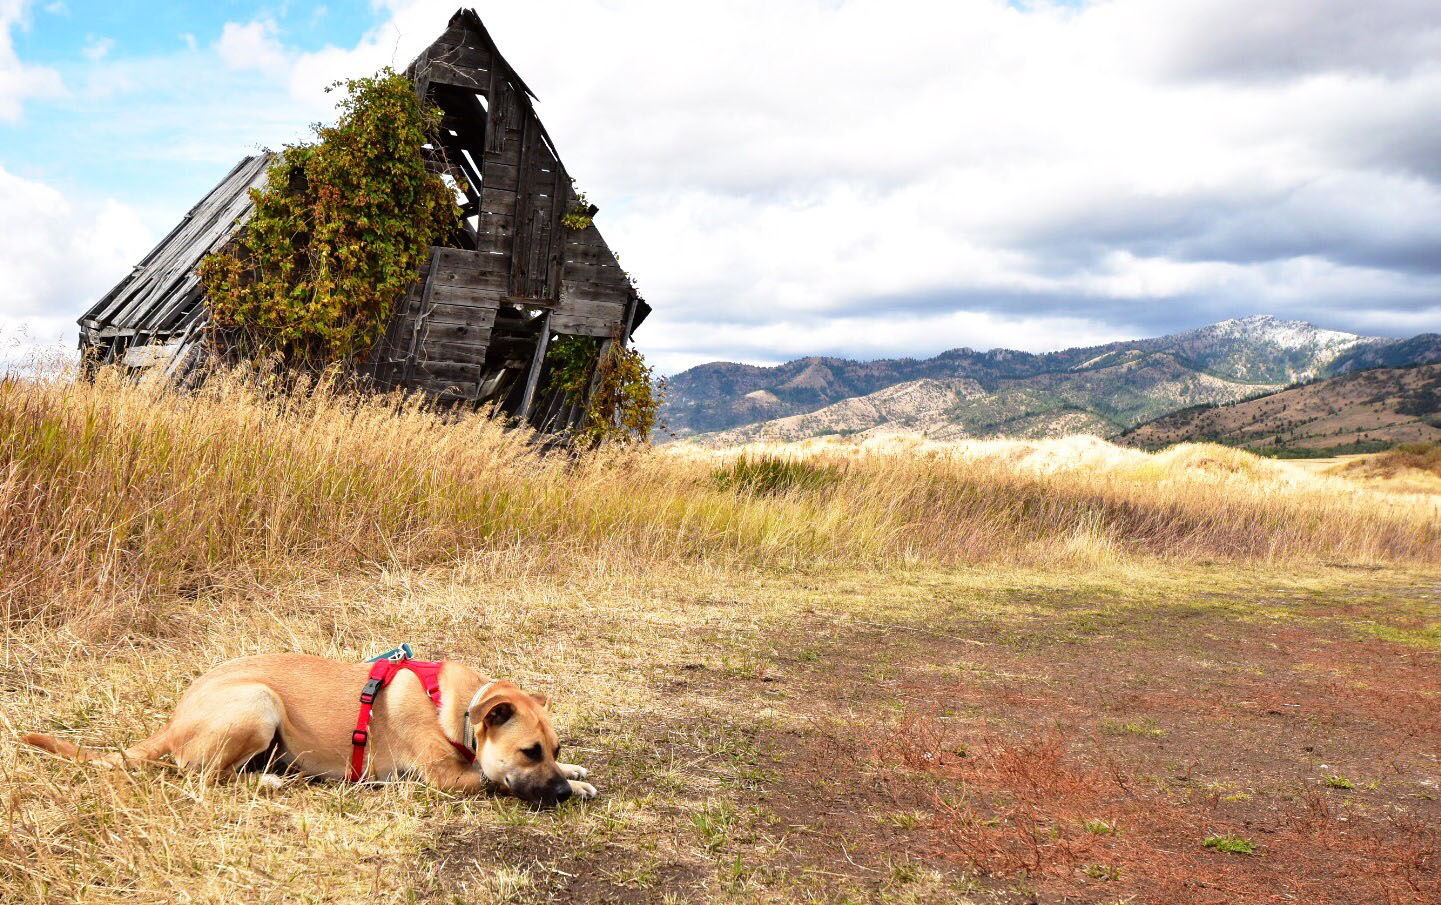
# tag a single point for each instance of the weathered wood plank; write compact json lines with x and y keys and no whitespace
{"x":463,"y":352}
{"x":422,"y":312}
{"x":503,"y":112}
{"x":589,"y":254}
{"x":475,"y":59}
{"x":472,"y":316}
{"x":617,"y":287}
{"x":497,"y":242}
{"x":605,"y":309}
{"x":445,"y":74}
{"x":482,"y":273}
{"x":524,"y":215}
{"x":471,"y":268}
{"x":465,"y":296}
{"x":441,"y":333}
{"x":502,"y":203}
{"x":581,"y":326}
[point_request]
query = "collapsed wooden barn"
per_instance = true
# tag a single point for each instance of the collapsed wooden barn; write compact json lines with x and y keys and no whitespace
{"x":476,"y":324}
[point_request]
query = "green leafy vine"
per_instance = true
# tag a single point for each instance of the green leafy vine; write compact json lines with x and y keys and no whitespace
{"x":621,"y":394}
{"x":337,"y":234}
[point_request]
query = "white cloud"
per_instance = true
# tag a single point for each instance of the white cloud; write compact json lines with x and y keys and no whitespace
{"x":252,"y":46}
{"x":57,"y":259}
{"x":19,"y":81}
{"x":96,"y":49}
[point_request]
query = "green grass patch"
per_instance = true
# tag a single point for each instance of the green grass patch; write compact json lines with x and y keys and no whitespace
{"x":1311,"y":452}
{"x":1146,"y":728}
{"x":1230,"y":844}
{"x":775,"y":475}
{"x":1428,"y":637}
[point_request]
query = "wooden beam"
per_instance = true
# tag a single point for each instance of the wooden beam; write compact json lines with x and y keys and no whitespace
{"x":629,"y":320}
{"x":524,"y":213}
{"x":554,"y":253}
{"x":421,"y":317}
{"x":533,"y":378}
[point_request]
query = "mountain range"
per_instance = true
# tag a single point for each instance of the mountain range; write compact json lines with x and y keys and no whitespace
{"x":1359,"y":410}
{"x":1101,"y":390}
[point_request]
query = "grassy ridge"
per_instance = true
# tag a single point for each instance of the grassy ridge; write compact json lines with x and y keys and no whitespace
{"x":115,"y":492}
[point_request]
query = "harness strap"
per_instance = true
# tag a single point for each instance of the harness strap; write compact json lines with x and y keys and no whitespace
{"x":381,"y":675}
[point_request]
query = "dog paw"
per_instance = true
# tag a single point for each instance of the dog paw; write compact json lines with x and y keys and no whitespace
{"x":573,"y":771}
{"x":583,"y":790}
{"x":269,"y":782}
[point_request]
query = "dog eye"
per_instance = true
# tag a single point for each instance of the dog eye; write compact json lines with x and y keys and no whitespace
{"x":533,"y":752}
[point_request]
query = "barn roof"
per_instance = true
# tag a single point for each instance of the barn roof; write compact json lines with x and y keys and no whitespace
{"x":161,"y":296}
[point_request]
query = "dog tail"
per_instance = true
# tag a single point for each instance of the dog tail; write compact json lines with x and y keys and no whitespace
{"x":147,"y":750}
{"x":53,"y":745}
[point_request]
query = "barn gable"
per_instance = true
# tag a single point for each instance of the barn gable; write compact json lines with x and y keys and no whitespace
{"x":476,"y":324}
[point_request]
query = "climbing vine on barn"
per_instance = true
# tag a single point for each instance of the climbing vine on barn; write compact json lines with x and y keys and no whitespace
{"x":337,"y":234}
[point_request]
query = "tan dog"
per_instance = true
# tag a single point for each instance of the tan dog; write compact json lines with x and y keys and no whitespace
{"x":299,"y":711}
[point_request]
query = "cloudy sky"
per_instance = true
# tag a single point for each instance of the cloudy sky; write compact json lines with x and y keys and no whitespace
{"x":787,"y":177}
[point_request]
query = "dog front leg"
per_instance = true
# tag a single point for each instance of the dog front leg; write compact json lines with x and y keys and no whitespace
{"x":582,"y":790}
{"x":450,"y":775}
{"x":572,"y":771}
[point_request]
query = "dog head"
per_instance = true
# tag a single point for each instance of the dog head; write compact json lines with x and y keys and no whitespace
{"x":516,"y":745}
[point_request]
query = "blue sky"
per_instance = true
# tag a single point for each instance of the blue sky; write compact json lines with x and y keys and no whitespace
{"x":135,"y":123}
{"x":864,"y":178}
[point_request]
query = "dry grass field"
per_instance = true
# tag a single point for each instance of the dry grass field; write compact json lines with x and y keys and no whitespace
{"x":891,"y":672}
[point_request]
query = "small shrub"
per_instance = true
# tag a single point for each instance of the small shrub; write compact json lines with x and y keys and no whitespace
{"x":625,"y":400}
{"x":624,"y":397}
{"x":774,"y":475}
{"x":906,"y":820}
{"x":1339,"y":782}
{"x":1421,"y":456}
{"x":1103,"y":872}
{"x":580,"y":214}
{"x":1099,"y":827}
{"x":1233,"y":845}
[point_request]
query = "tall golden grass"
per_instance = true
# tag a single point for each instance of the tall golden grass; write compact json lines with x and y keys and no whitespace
{"x":116,"y":493}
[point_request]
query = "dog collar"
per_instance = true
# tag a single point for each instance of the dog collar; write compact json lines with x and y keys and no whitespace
{"x":467,"y":730}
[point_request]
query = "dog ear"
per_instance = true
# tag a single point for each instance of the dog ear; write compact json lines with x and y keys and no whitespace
{"x":541,"y":701}
{"x":497,"y":713}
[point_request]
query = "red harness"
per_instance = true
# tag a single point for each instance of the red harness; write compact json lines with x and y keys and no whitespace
{"x":380,"y":675}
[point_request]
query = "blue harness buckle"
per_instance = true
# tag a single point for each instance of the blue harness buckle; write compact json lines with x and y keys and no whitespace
{"x":395,"y":655}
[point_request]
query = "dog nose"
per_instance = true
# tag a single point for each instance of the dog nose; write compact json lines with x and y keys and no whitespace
{"x":560,"y":791}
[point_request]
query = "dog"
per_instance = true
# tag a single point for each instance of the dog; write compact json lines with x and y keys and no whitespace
{"x":300,"y":711}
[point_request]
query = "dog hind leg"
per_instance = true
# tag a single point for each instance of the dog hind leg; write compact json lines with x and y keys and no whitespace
{"x":222,"y":731}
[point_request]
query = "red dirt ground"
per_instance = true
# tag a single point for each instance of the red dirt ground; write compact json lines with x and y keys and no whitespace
{"x":1170,"y":728}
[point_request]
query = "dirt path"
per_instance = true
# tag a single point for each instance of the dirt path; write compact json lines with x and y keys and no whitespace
{"x":1059,"y":748}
